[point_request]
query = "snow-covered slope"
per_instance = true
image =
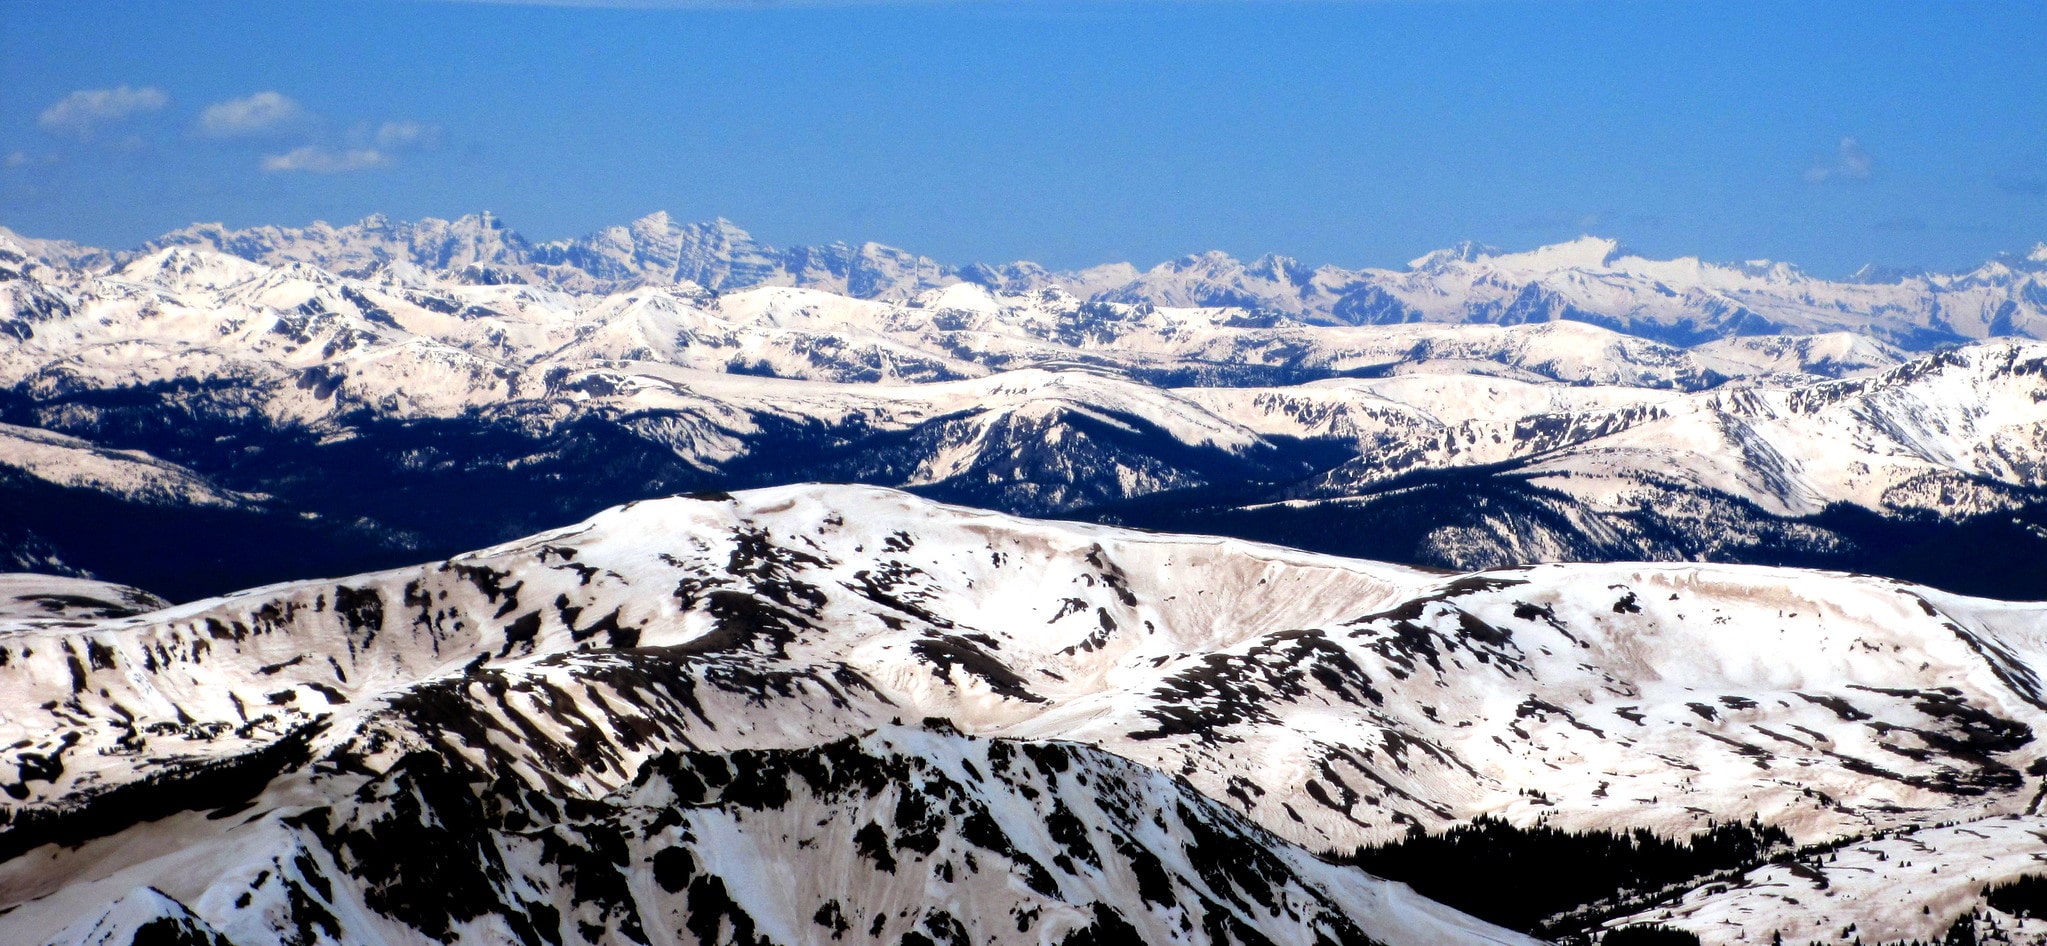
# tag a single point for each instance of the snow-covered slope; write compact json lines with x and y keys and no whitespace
{"x":1906,"y":885}
{"x":29,"y":596}
{"x":903,"y":835}
{"x":1331,"y":702}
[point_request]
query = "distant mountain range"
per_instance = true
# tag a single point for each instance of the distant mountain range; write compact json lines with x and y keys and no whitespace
{"x":1681,"y":301}
{"x":278,"y":420}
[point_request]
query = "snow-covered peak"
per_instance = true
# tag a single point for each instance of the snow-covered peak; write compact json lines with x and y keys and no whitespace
{"x":656,"y":222}
{"x":1875,"y":274}
{"x":964,"y":296}
{"x":186,"y":269}
{"x":1585,"y":252}
{"x":1465,"y":252}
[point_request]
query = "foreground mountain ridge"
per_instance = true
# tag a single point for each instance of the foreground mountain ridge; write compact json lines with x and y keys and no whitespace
{"x":1681,"y":301}
{"x":717,"y":653}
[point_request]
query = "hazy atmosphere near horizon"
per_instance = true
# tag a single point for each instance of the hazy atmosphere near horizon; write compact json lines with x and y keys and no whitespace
{"x":1829,"y":135}
{"x":1023,"y":473}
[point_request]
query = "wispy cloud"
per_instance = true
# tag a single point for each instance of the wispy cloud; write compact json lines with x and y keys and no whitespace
{"x":85,"y":111}
{"x":365,"y":146}
{"x":313,"y":159}
{"x":1850,"y":163}
{"x":23,"y":159}
{"x":399,"y":135}
{"x":1598,"y":221}
{"x":261,"y":114}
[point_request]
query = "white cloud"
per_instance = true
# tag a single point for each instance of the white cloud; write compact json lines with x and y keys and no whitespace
{"x":260,"y":114}
{"x":314,"y":159}
{"x":1852,"y":163}
{"x":406,"y":134}
{"x":86,"y":110}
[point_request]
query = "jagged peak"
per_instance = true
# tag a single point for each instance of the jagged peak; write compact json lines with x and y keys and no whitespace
{"x":658,"y":220}
{"x":1209,"y":260}
{"x":14,"y":242}
{"x":732,"y":232}
{"x":484,"y":220}
{"x":1767,"y":269}
{"x":1467,"y":251}
{"x":2033,"y":260}
{"x":1872,"y":274}
{"x":1278,"y":266}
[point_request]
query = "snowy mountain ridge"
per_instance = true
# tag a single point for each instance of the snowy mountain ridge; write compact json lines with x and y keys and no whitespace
{"x":1683,"y":301}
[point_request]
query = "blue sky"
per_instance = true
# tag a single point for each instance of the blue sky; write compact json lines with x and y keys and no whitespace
{"x":1357,"y":133}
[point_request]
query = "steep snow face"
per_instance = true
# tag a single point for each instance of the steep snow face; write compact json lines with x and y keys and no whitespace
{"x":1330,"y":701}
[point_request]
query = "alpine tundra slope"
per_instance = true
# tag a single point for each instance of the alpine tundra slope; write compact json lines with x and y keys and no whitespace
{"x":849,"y":714}
{"x":253,"y":406}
